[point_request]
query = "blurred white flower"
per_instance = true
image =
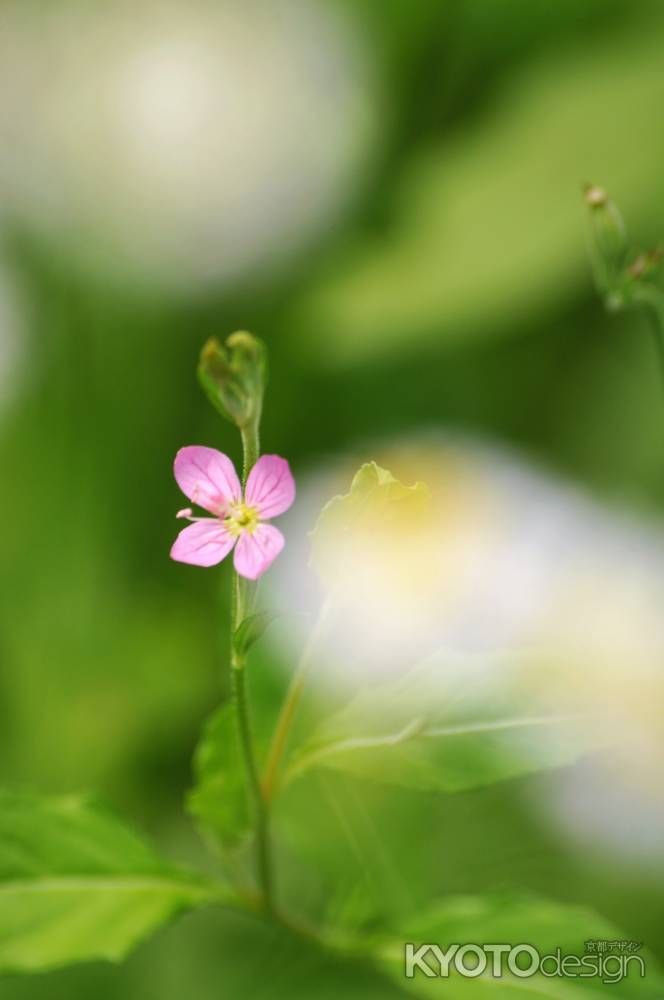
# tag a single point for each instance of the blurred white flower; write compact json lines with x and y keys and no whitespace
{"x":183,"y":144}
{"x":533,"y":586}
{"x":514,"y":559}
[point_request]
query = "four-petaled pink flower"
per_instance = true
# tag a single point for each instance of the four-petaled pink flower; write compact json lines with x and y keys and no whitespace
{"x":207,"y":477}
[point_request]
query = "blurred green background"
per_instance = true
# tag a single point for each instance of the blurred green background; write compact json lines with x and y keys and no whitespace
{"x":446,"y":285}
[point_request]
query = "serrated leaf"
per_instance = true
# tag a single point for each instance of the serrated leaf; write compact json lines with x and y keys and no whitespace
{"x":219,"y":798}
{"x":451,"y":724}
{"x":251,"y":629}
{"x":76,"y":884}
{"x":349,"y":525}
{"x":545,"y":924}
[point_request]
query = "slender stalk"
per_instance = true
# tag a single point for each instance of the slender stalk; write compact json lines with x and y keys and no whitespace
{"x":241,"y":605}
{"x":250,"y":449}
{"x":658,"y":336}
{"x":261,"y":816}
{"x":652,"y":299}
{"x":289,"y":708}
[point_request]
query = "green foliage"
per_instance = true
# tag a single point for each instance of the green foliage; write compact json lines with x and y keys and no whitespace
{"x":219,"y":954}
{"x":75,"y":884}
{"x":544,"y":923}
{"x":455,"y":292}
{"x":250,"y":630}
{"x":515,"y":919}
{"x":484,"y":224}
{"x":435,"y":730}
{"x":219,"y":798}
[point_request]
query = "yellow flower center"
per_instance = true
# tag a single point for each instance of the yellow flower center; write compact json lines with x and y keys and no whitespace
{"x":241,"y":518}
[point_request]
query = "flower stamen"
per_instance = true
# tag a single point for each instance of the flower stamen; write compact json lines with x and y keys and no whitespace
{"x":239,"y":518}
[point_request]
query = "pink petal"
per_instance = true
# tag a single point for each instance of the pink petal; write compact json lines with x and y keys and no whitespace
{"x":203,"y":543}
{"x":255,"y":552}
{"x":207,"y":477}
{"x":270,"y":486}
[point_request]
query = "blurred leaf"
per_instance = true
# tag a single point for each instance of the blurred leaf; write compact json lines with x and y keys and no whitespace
{"x":76,"y":885}
{"x":449,"y":726}
{"x":376,"y":503}
{"x":219,"y":798}
{"x":485,"y":226}
{"x":545,"y":924}
{"x":230,"y":955}
{"x":251,"y":629}
{"x":216,"y":954}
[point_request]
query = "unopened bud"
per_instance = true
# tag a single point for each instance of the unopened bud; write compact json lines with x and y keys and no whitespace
{"x":595,"y":196}
{"x":234,"y":376}
{"x":608,"y":240}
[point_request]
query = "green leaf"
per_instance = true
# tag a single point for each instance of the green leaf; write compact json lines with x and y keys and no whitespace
{"x":451,"y":724}
{"x":250,"y":630}
{"x":545,"y":924}
{"x":219,"y":799}
{"x":219,"y":954}
{"x":76,"y":884}
{"x":375,"y":504}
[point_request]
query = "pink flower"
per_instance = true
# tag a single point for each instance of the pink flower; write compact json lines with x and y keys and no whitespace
{"x":207,"y":477}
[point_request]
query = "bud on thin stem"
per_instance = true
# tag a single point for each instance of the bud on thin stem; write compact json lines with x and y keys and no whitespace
{"x":623,"y":285}
{"x":608,"y":245}
{"x":234,"y":376}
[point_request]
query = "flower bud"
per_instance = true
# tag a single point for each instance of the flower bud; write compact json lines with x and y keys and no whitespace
{"x":608,"y":243}
{"x":234,"y":376}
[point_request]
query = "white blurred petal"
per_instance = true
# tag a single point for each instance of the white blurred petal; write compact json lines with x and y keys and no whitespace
{"x":542,"y":584}
{"x":182,"y":144}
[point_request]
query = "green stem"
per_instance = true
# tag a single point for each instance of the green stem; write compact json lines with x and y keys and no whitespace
{"x":261,"y":816}
{"x":242,"y":603}
{"x":652,"y":299}
{"x":289,"y":708}
{"x":250,"y":449}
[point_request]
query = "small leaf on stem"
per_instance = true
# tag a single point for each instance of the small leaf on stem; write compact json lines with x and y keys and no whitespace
{"x":251,"y":629}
